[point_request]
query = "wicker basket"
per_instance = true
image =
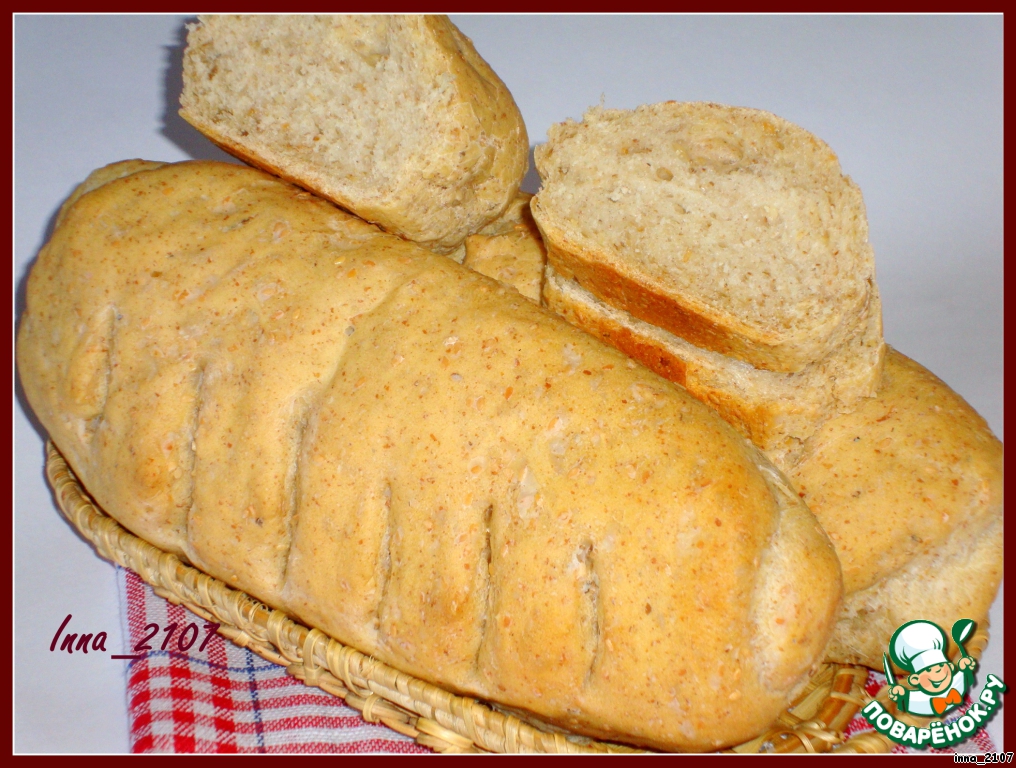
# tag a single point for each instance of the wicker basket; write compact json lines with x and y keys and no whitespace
{"x":434,"y":717}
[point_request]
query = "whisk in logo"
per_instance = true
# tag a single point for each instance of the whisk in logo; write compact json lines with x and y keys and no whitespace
{"x":937,"y":686}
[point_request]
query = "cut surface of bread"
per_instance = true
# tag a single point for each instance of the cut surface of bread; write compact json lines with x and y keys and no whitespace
{"x":510,"y":250}
{"x":776,"y":411}
{"x":729,"y":227}
{"x":396,"y":118}
{"x":909,"y":487}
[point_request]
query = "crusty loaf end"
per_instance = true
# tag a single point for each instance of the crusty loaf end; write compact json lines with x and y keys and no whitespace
{"x":396,"y":118}
{"x":910,"y":489}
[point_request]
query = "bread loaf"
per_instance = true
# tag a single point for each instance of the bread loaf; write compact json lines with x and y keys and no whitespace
{"x":396,"y":118}
{"x":419,"y":461}
{"x":728,"y":227}
{"x":909,"y":488}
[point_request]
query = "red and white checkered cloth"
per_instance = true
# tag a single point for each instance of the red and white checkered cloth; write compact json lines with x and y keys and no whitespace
{"x":226,"y":699}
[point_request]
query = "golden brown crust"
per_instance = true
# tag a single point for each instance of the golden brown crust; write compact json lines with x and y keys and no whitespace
{"x":894,"y":478}
{"x":909,"y":484}
{"x":102,"y":176}
{"x":510,"y":250}
{"x":419,"y":461}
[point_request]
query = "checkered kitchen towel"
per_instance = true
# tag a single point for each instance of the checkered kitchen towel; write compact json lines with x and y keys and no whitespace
{"x":222,"y":698}
{"x":217,"y":697}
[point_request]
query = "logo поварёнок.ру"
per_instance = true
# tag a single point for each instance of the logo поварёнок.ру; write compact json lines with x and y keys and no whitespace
{"x":938,"y":687}
{"x":941,"y":686}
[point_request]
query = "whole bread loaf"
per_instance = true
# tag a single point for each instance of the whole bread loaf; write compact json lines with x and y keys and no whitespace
{"x":396,"y":118}
{"x":728,"y":227}
{"x":419,"y":461}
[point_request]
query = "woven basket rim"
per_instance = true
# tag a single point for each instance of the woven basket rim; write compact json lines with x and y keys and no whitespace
{"x":434,"y":717}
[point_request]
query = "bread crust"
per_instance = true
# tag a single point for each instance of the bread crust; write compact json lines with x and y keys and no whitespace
{"x":414,"y":458}
{"x":958,"y":579}
{"x":777,"y":412}
{"x":510,"y":250}
{"x":909,"y":488}
{"x":104,"y":175}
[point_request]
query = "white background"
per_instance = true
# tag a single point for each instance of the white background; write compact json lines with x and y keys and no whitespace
{"x":912,"y":105}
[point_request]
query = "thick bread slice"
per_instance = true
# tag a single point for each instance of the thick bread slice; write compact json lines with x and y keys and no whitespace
{"x":728,"y":227}
{"x":776,"y":411}
{"x":396,"y":118}
{"x":909,"y":488}
{"x":510,"y":249}
{"x":420,"y":461}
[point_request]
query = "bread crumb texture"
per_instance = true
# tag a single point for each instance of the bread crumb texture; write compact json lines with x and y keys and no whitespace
{"x":727,"y":226}
{"x":396,"y":118}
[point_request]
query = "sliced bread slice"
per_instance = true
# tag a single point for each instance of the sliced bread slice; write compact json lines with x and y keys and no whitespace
{"x":396,"y":118}
{"x":729,"y":227}
{"x":776,"y":411}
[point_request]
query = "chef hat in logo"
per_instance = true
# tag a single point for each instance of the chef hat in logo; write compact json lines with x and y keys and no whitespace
{"x":918,"y":645}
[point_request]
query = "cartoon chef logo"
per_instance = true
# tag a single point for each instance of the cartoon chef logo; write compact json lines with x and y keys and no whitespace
{"x":938,"y":685}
